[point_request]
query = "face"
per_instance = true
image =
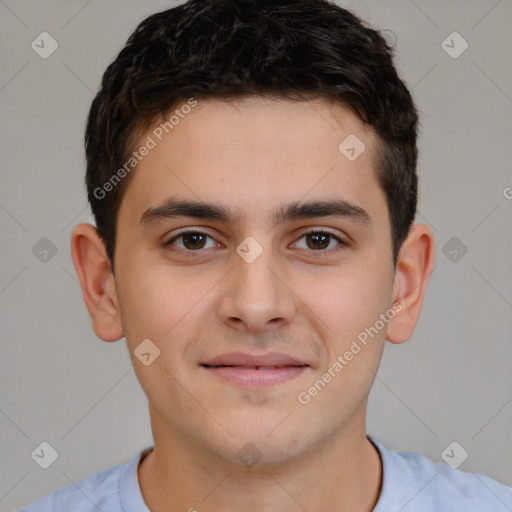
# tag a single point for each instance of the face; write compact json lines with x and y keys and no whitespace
{"x":257,"y":277}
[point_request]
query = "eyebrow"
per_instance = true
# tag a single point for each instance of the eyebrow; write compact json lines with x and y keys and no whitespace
{"x":174,"y":207}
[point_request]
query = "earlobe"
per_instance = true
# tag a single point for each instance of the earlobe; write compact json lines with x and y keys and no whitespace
{"x":413,"y":269}
{"x":94,"y":273}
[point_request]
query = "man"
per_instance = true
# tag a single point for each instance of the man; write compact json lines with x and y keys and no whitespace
{"x":251,"y":166}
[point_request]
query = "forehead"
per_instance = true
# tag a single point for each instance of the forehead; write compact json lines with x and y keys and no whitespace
{"x":255,"y":155}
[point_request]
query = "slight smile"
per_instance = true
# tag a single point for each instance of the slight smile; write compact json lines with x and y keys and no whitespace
{"x":249,"y":370}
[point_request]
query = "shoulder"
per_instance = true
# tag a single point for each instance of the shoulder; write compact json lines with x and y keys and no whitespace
{"x":101,"y":491}
{"x":417,"y":484}
{"x":97,"y":492}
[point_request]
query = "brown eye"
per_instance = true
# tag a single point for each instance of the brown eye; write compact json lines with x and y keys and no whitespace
{"x":320,"y":241}
{"x":194,"y":240}
{"x":191,"y":240}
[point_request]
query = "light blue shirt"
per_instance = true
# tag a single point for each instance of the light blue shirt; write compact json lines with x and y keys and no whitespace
{"x":411,"y":483}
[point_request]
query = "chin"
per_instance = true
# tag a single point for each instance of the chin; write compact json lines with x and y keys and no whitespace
{"x":264,"y":445}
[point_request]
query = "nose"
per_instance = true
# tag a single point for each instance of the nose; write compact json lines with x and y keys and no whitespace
{"x":255,"y":296}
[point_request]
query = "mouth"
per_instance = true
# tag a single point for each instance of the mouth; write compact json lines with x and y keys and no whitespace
{"x":242,"y":367}
{"x":255,"y":371}
{"x":256,"y":376}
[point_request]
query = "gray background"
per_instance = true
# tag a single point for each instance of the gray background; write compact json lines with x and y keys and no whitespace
{"x":451,"y":382}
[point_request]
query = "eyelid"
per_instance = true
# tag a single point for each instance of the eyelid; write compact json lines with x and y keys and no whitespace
{"x":323,"y":230}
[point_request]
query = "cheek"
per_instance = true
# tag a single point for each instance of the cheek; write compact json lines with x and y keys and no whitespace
{"x":162,"y":307}
{"x":170,"y":308}
{"x":154,"y":300}
{"x":346,"y":301}
{"x":350,"y":307}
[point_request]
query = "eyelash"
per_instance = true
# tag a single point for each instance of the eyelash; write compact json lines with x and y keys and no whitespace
{"x":342,"y":244}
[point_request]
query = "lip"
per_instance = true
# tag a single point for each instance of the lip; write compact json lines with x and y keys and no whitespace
{"x":251,"y":360}
{"x":248,"y":370}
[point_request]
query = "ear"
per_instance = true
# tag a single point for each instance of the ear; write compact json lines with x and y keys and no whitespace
{"x":413,"y":269}
{"x":98,"y":286}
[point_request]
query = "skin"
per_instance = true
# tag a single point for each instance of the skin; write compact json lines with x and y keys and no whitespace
{"x":253,"y":156}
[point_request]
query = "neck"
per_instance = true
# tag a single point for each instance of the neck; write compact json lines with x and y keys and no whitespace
{"x":344,"y":474}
